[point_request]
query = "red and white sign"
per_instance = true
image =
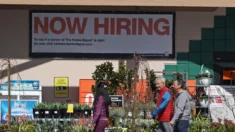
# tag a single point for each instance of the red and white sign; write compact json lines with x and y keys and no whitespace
{"x":216,"y":102}
{"x":101,"y":33}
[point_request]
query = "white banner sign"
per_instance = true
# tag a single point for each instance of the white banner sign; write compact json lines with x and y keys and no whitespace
{"x":147,"y":34}
{"x":220,"y":90}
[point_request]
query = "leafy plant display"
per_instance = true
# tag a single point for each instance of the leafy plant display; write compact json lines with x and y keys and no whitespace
{"x":58,"y":106}
{"x":144,"y":123}
{"x":122,"y":78}
{"x":151,"y":85}
{"x":87,"y":107}
{"x":27,"y":126}
{"x":200,"y":123}
{"x":63,"y":106}
{"x":48,"y":106}
{"x":203,"y":75}
{"x":116,"y":113}
{"x":140,"y":106}
{"x":77,"y":106}
{"x":39,"y":106}
{"x":227,"y":126}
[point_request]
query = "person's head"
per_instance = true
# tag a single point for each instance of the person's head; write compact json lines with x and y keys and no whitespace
{"x":178,"y":85}
{"x":160,"y":83}
{"x":102,"y":90}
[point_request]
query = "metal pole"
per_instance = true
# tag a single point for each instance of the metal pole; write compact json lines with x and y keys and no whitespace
{"x":9,"y":91}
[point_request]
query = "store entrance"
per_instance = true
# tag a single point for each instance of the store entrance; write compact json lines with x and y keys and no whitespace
{"x":228,"y":77}
{"x":224,"y":68}
{"x":224,"y":74}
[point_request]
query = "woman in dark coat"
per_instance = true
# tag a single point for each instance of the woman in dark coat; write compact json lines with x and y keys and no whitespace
{"x":101,"y":107}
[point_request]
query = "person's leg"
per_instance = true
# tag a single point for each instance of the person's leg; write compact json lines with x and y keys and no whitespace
{"x":167,"y":127}
{"x":175,"y":128}
{"x":183,"y":125}
{"x":160,"y":128}
{"x":100,"y":126}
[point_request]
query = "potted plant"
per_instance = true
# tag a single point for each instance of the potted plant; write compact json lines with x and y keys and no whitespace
{"x":150,"y":106}
{"x":76,"y":111}
{"x":64,"y":108}
{"x":38,"y":110}
{"x":204,"y":77}
{"x":204,"y":100}
{"x":140,"y":110}
{"x":56,"y":110}
{"x":82,"y":110}
{"x":48,"y":111}
{"x":116,"y":115}
{"x":87,"y":110}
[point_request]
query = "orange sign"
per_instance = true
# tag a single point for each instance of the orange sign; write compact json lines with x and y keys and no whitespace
{"x":84,"y":92}
{"x":191,"y":87}
{"x":86,"y":96}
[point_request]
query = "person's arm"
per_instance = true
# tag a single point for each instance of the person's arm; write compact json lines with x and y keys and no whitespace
{"x":98,"y":109}
{"x":165,"y":100}
{"x":179,"y":108}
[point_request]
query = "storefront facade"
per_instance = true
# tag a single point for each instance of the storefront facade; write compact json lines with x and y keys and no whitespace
{"x":198,"y":34}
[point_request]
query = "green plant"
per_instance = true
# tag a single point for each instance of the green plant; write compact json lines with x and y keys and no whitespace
{"x":103,"y":72}
{"x":176,"y":76}
{"x":204,"y":97}
{"x":151,"y":78}
{"x":56,"y":106}
{"x":27,"y":126}
{"x":140,"y":106}
{"x":63,"y":106}
{"x":13,"y":128}
{"x":150,"y":106}
{"x":199,"y":123}
{"x":76,"y":106}
{"x":87,"y":107}
{"x":227,"y":126}
{"x":82,"y":107}
{"x":83,"y":129}
{"x":140,"y":113}
{"x":151,"y":85}
{"x":116,"y":113}
{"x":203,"y":75}
{"x":44,"y":126}
{"x":39,"y":106}
{"x":122,"y":78}
{"x":64,"y":127}
{"x":48,"y":106}
{"x":169,"y":83}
